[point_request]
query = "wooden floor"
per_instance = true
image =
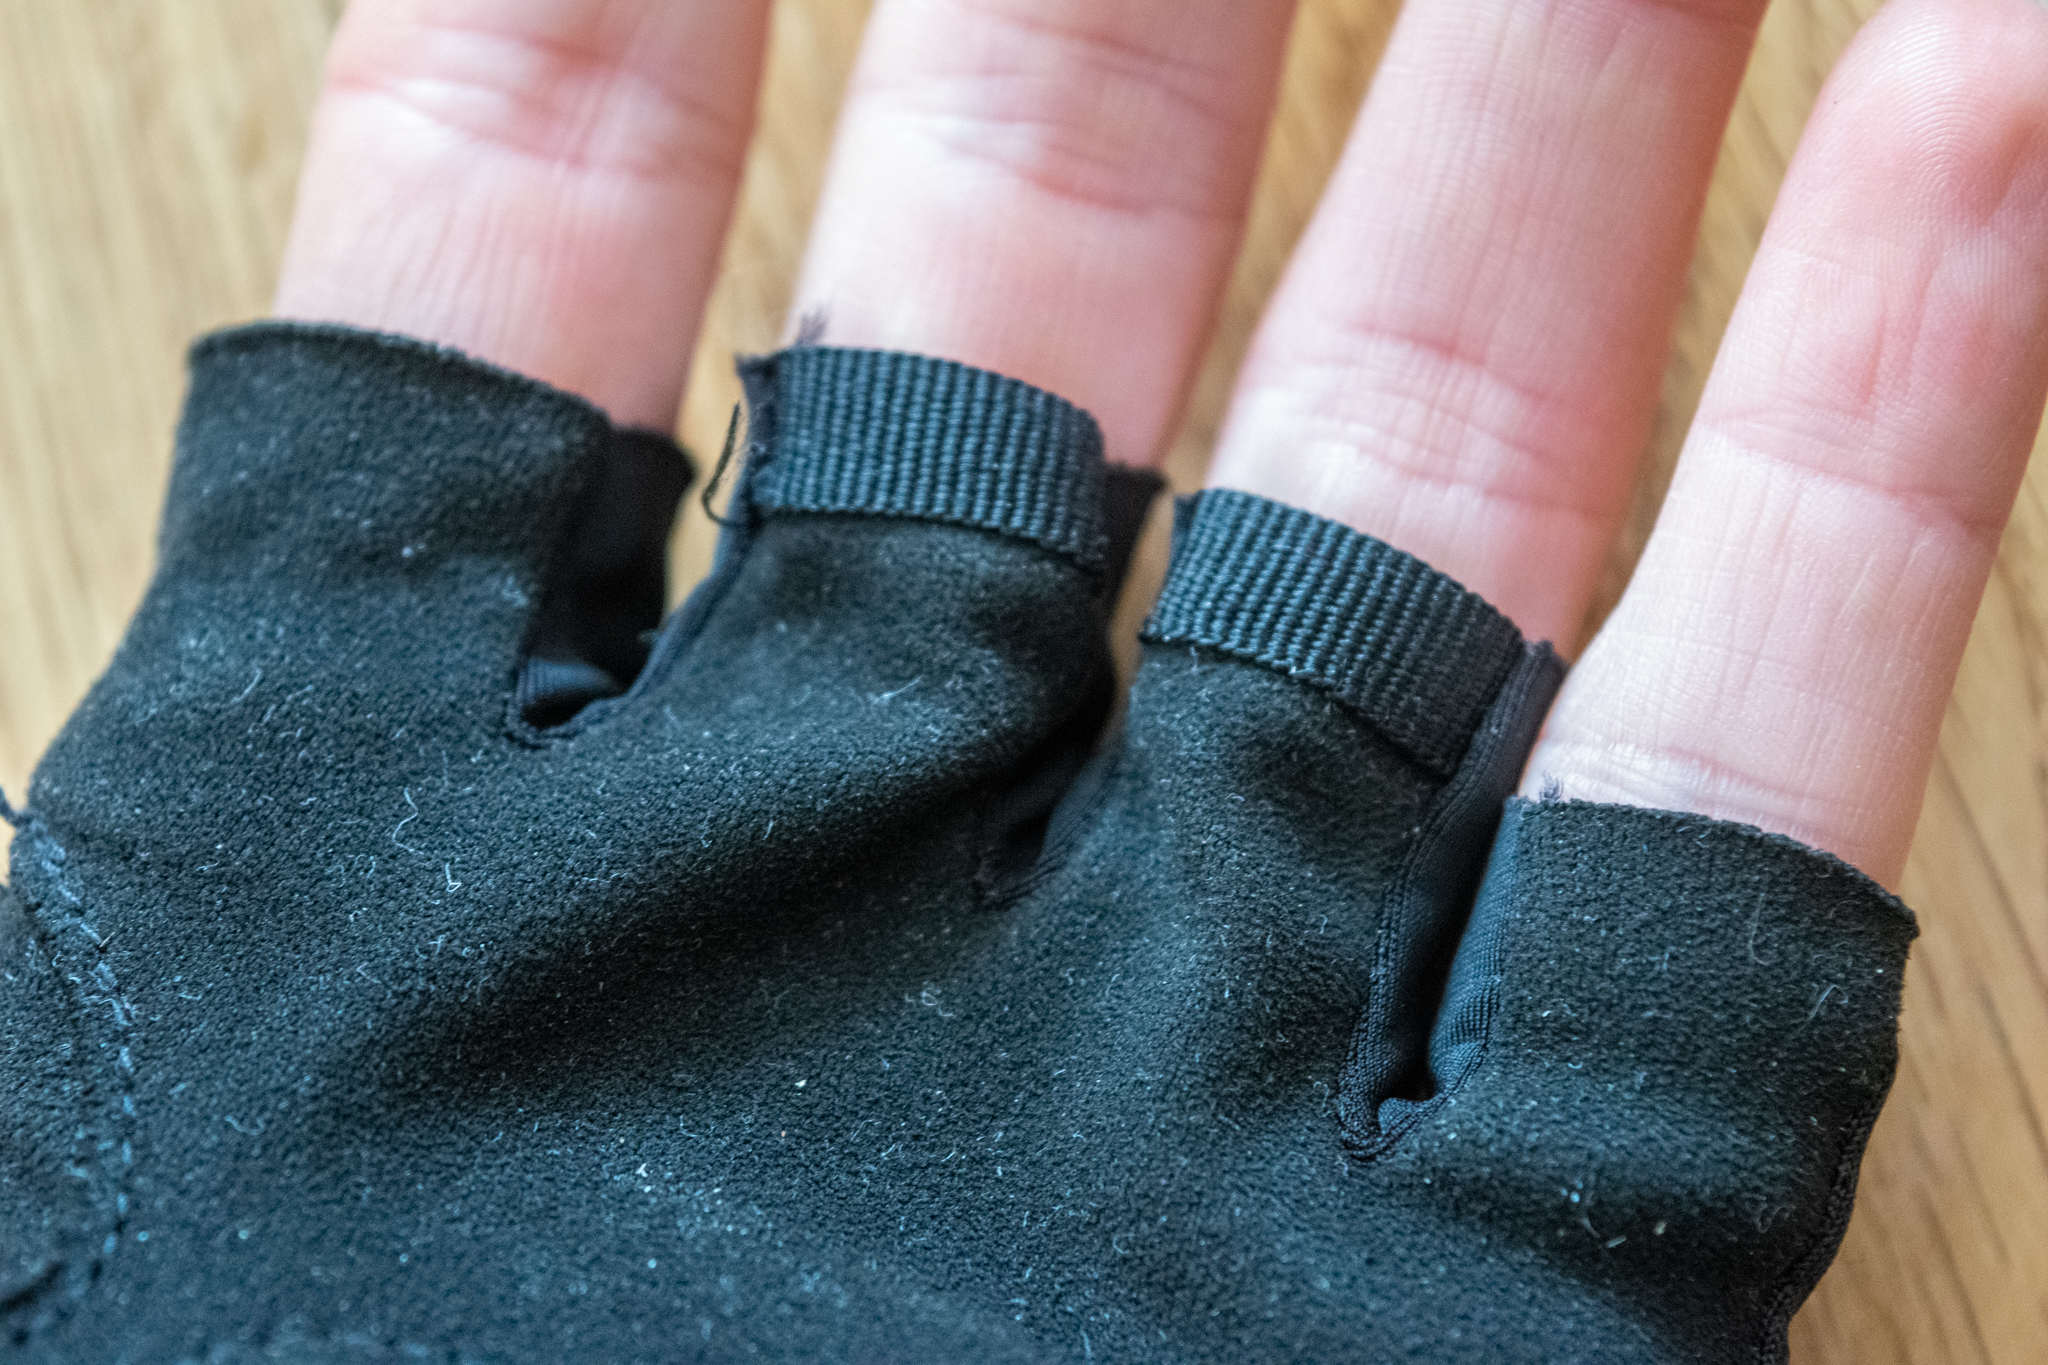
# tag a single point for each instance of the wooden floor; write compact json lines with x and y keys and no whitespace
{"x":147,"y":156}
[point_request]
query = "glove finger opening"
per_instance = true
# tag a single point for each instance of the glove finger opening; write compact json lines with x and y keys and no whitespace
{"x":911,"y":596}
{"x":1320,"y":738}
{"x":599,"y":620}
{"x":1674,"y":1035}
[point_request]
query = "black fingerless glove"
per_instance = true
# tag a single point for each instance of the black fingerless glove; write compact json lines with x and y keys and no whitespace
{"x":398,"y":967}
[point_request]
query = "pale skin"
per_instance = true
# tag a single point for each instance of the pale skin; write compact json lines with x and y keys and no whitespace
{"x":1463,"y":358}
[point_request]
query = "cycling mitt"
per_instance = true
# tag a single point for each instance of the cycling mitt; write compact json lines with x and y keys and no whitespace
{"x":409,"y":957}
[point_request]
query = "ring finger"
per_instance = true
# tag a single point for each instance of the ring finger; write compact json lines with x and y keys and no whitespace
{"x":1465,"y":355}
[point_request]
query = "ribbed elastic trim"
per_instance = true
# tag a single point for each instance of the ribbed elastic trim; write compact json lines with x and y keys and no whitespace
{"x":891,"y":434}
{"x":1416,"y":654}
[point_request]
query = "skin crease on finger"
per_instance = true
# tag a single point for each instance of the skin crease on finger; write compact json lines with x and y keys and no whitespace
{"x":545,"y":185}
{"x":1052,"y":189}
{"x":1786,"y":649}
{"x":1465,"y":356}
{"x":550,"y":194}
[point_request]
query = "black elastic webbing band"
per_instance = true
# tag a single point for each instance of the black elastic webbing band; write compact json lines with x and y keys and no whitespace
{"x":911,"y":436}
{"x":1418,"y":655}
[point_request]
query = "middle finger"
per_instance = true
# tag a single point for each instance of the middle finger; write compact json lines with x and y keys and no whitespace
{"x":1052,"y":189}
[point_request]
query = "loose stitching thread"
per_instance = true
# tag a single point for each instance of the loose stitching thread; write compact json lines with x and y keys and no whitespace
{"x":732,"y":431}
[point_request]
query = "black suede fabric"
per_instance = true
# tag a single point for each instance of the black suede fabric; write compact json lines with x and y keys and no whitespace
{"x":836,"y":990}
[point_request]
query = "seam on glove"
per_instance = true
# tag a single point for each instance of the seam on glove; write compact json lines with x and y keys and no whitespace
{"x":1030,"y":829}
{"x":25,"y":1283}
{"x":592,"y":635}
{"x":107,"y":1113}
{"x":1397,"y":1075}
{"x":680,"y":631}
{"x":1800,"y":1278}
{"x":834,"y":431}
{"x":1825,"y":907}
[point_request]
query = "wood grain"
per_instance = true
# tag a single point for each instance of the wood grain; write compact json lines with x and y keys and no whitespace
{"x":147,"y":156}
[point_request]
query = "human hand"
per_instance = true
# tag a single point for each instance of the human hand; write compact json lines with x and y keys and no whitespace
{"x":1464,"y":357}
{"x":560,"y":257}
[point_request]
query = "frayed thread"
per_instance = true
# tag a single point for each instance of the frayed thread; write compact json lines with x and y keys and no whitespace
{"x":9,"y":813}
{"x":732,"y":431}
